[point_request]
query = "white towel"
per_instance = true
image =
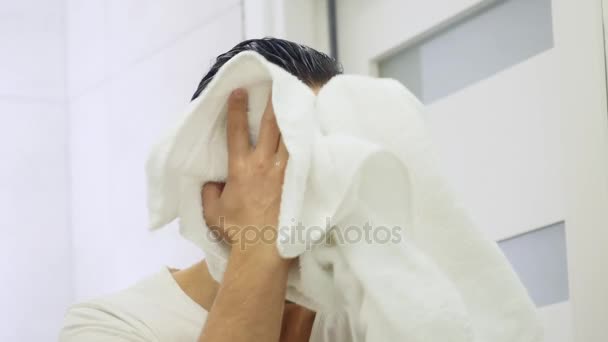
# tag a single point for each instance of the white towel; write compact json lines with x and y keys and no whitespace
{"x":358,"y":153}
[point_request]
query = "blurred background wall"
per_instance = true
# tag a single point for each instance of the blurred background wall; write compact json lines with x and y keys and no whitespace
{"x":85,"y":87}
{"x":35,"y":253}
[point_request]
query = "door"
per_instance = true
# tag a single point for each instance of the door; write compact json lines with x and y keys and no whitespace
{"x":516,"y":99}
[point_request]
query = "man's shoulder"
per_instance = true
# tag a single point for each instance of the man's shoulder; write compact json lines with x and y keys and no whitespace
{"x":149,"y":291}
{"x":145,"y":310}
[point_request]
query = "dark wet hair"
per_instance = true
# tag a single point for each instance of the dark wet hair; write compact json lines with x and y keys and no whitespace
{"x":309,"y":65}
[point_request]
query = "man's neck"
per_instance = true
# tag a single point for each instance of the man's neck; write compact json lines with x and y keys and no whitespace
{"x":198,"y":284}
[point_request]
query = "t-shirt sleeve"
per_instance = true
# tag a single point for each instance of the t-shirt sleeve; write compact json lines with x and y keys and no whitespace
{"x":94,"y":323}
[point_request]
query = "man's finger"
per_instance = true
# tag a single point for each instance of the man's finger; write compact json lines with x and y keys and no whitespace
{"x":211,"y":193}
{"x":268,"y":139}
{"x":282,"y":153}
{"x":237,"y":127}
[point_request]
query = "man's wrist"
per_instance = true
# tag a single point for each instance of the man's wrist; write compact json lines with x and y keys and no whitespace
{"x":263,"y":254}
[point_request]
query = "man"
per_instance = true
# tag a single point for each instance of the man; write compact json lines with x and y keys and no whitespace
{"x":249,"y":304}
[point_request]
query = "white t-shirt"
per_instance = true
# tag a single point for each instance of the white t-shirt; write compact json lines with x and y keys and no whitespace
{"x":157,"y":309}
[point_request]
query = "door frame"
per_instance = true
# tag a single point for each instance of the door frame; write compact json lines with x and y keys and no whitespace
{"x":586,"y":177}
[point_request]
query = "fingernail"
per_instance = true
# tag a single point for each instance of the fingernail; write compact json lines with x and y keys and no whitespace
{"x":238,"y":93}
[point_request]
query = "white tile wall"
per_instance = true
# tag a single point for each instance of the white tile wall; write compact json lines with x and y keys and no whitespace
{"x":32,"y":44}
{"x":72,"y":195}
{"x":34,"y":248}
{"x":107,"y":37}
{"x":87,"y":46}
{"x":112,"y":128}
{"x":34,"y":205}
{"x":90,"y":162}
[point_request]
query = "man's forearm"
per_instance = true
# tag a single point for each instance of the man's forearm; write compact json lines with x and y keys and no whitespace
{"x":249,"y":303}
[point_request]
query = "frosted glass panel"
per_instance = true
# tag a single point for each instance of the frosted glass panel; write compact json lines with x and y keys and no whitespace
{"x":474,"y":48}
{"x":539,"y":258}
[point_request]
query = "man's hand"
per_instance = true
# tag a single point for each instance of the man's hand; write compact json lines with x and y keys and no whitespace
{"x":250,"y":300}
{"x":250,"y":199}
